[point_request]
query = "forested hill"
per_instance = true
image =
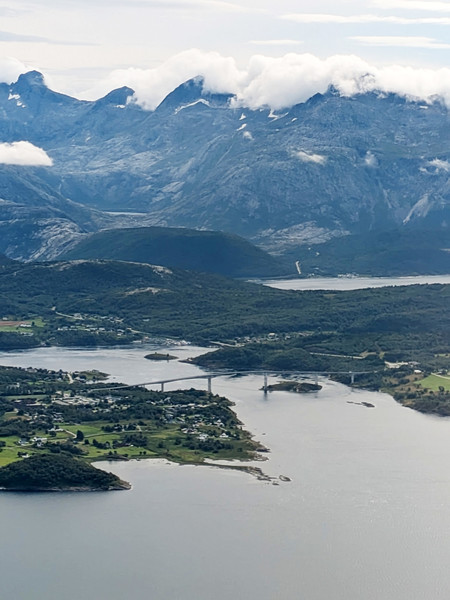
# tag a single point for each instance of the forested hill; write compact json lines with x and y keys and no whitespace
{"x":206,"y":251}
{"x":385,"y":253}
{"x":57,"y":473}
{"x":153,"y":300}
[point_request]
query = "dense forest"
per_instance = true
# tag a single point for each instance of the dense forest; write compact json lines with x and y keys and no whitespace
{"x":57,"y":473}
{"x":101,"y":302}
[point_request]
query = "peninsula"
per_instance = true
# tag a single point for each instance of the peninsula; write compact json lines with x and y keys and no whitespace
{"x":69,"y":420}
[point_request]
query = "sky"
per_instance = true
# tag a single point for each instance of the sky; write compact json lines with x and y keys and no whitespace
{"x":267,"y":52}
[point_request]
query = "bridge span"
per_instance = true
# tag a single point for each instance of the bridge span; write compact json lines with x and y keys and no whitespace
{"x":265,"y":374}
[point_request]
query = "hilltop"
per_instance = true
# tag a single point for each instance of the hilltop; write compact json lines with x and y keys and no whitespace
{"x":207,"y":251}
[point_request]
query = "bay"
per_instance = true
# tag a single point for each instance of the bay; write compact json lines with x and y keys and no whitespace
{"x":365,"y":515}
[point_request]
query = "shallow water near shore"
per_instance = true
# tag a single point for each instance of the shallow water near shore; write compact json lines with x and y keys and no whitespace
{"x":365,"y":515}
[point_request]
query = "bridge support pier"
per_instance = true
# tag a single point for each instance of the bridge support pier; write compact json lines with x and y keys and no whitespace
{"x":209,"y":385}
{"x":316,"y":379}
{"x":265,"y":383}
{"x":162,"y":387}
{"x":352,"y":378}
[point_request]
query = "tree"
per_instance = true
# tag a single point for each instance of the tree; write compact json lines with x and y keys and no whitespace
{"x":80,"y":436}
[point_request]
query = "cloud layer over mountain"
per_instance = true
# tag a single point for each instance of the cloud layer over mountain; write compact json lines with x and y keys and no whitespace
{"x":277,"y":82}
{"x":10,"y":69}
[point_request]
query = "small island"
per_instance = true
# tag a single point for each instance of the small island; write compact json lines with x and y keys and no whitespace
{"x":299,"y":387}
{"x":58,"y":473}
{"x":160,"y":356}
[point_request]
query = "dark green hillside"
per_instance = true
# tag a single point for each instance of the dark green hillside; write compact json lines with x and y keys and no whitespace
{"x":388,"y":253}
{"x":74,"y":297}
{"x":206,"y":251}
{"x":56,"y":473}
{"x":90,"y":303}
{"x":4,"y":260}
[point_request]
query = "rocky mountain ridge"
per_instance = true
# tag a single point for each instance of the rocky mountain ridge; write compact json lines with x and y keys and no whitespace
{"x":331,"y":166}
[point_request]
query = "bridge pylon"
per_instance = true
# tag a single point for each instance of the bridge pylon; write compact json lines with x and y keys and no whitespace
{"x":265,"y":383}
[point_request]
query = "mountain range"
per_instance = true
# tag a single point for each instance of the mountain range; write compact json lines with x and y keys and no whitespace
{"x":329,"y":167}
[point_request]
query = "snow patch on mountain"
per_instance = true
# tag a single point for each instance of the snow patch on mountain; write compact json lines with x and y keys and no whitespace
{"x":420,"y":209}
{"x":440,"y":165}
{"x":310,"y":157}
{"x":370,"y":160}
{"x":199,"y":101}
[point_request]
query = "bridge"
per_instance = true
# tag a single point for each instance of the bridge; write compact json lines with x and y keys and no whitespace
{"x":210,"y":376}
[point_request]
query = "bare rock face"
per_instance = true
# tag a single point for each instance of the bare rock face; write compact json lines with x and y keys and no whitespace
{"x":332,"y":165}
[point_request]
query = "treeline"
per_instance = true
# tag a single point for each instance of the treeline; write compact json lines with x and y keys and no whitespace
{"x":205,"y":308}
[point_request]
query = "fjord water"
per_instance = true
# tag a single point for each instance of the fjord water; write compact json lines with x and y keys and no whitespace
{"x":352,"y":283}
{"x":366,"y":515}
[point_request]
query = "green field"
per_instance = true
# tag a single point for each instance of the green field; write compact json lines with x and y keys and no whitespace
{"x":434,"y":382}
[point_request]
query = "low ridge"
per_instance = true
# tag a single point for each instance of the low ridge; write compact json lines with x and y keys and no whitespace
{"x":206,"y":251}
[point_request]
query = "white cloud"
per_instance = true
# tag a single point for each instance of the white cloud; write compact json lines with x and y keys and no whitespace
{"x":280,"y":83}
{"x":25,"y":154}
{"x":400,"y":41}
{"x":8,"y":36}
{"x":426,"y":5}
{"x":191,"y":5}
{"x":152,"y":85}
{"x":294,"y":78}
{"x":184,"y":5}
{"x":310,"y":157}
{"x":359,"y":19}
{"x":227,"y":6}
{"x":10,"y":69}
{"x":276,"y":42}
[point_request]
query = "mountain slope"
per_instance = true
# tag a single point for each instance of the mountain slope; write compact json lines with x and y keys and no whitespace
{"x":330,"y":166}
{"x":393,"y":253}
{"x":208,"y":251}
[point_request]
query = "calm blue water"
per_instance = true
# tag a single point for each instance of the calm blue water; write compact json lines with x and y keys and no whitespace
{"x":365,"y":517}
